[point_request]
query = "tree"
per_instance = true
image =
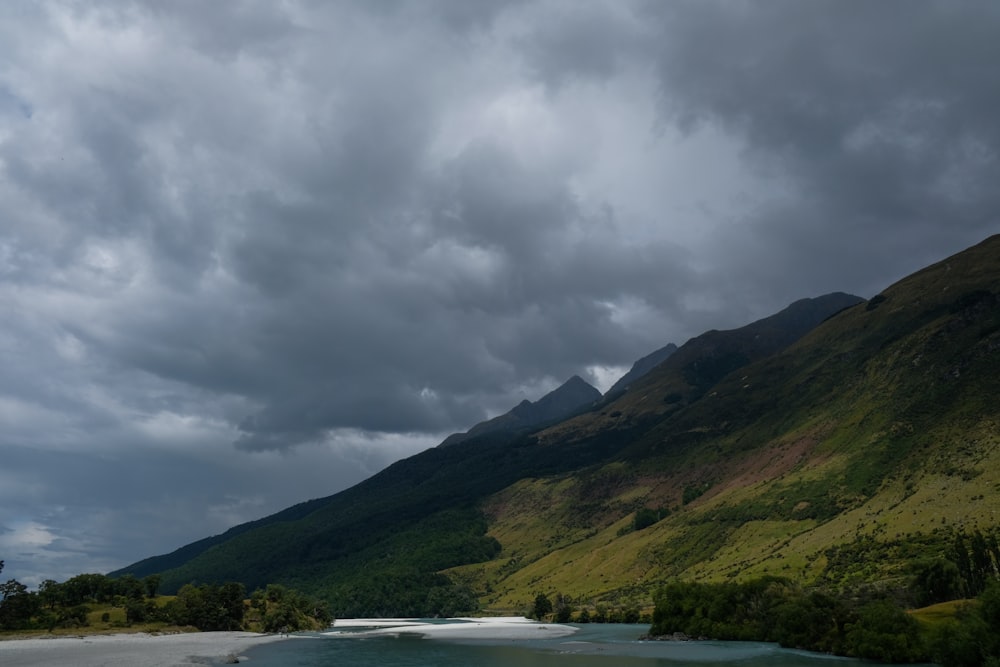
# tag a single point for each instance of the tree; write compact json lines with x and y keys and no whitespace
{"x":937,"y":581}
{"x":17,"y":605}
{"x":152,"y":585}
{"x":964,"y":564}
{"x":631,"y":613}
{"x":543,"y":606}
{"x":982,"y":563}
{"x":88,"y":588}
{"x":230,"y":599}
{"x":50,"y":594}
{"x":130,"y":588}
{"x":258,"y":601}
{"x":135,"y":612}
{"x":563,"y":608}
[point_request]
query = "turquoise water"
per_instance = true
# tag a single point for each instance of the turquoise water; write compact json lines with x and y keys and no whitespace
{"x":593,"y":646}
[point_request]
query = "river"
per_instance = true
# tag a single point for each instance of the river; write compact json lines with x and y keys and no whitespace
{"x":594,"y":645}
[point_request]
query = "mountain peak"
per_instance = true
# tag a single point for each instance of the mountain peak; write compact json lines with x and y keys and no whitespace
{"x":640,"y":368}
{"x":569,"y":398}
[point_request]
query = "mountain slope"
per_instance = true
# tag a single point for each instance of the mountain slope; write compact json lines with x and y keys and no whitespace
{"x":393,"y":521}
{"x":860,"y":448}
{"x":571,"y":397}
{"x":835,"y":455}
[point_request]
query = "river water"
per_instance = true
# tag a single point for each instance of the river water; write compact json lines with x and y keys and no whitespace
{"x":594,"y":645}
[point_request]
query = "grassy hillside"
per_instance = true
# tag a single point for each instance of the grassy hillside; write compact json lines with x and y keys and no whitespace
{"x":837,"y":453}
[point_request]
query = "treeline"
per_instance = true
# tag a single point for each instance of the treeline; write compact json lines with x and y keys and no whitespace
{"x":65,"y":605}
{"x":225,"y":606}
{"x":563,"y":609}
{"x":977,"y":561}
{"x":206,"y":607}
{"x":776,"y":610}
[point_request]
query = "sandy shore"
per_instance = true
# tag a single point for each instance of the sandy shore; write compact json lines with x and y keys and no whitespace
{"x":130,"y":650}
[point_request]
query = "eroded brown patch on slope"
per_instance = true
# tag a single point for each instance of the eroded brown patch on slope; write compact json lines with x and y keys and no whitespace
{"x":772,"y":463}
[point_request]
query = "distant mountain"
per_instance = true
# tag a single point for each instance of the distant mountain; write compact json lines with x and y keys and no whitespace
{"x":688,"y":372}
{"x":706,"y":359}
{"x":833,"y":443}
{"x":640,"y":368}
{"x":571,"y":397}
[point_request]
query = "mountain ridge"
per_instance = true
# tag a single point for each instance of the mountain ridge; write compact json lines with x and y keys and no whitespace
{"x":570,"y":397}
{"x":641,"y":367}
{"x":686,"y":373}
{"x":757,"y":453}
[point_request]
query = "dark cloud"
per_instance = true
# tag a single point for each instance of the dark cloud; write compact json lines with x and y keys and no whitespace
{"x":256,"y":251}
{"x":876,"y":120}
{"x":582,"y":41}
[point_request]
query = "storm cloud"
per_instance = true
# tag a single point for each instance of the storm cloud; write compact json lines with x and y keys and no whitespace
{"x":252,"y":252}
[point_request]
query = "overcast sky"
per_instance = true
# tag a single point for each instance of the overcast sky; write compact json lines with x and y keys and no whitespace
{"x":252,"y":252}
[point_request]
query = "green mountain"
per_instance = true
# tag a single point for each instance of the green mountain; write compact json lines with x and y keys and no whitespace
{"x":834,"y":442}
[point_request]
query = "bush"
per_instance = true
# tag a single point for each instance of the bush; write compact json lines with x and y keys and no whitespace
{"x":646,"y":517}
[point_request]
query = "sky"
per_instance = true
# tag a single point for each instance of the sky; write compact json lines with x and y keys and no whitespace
{"x":251,"y":252}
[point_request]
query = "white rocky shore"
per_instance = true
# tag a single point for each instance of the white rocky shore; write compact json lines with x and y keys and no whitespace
{"x":131,"y":650}
{"x":509,"y":627}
